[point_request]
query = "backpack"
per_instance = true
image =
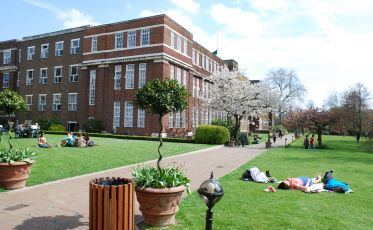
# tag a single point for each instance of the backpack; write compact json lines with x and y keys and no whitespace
{"x":246,"y":176}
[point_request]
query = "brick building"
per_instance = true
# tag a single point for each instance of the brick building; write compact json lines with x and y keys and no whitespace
{"x":93,"y":72}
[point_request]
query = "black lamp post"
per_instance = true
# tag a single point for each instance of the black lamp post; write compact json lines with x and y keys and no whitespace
{"x":210,"y":192}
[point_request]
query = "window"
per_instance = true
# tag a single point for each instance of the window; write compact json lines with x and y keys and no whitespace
{"x":18,"y":78}
{"x":206,"y":117}
{"x":145,"y":37}
{"x":117,"y":76}
{"x":197,"y":118}
{"x":172,"y":43}
{"x":170,"y":120}
{"x":94,"y":44}
{"x":42,"y":102}
{"x":194,"y":57}
{"x":118,"y":40}
{"x":130,"y":72}
{"x":73,"y":73}
{"x":75,"y":46}
{"x":172,"y":72}
{"x":31,"y":53}
{"x":198,"y":94}
{"x":178,"y":43}
{"x":92,"y":87}
{"x":207,"y":86}
{"x":203,"y":61}
{"x":44,"y":51}
{"x":7,"y":57}
{"x":131,"y":39}
{"x":56,"y":102}
{"x":6,"y":80}
{"x":43,"y":78}
{"x":128,"y":114}
{"x":185,"y":47}
{"x":142,"y":74}
{"x":197,"y":59}
{"x":72,"y":102}
{"x":194,"y":87}
{"x":57,"y":75}
{"x":207,"y":65}
{"x":59,"y":49}
{"x":28,"y":99}
{"x":183,"y":119}
{"x":177,"y":120}
{"x":29,"y":76}
{"x":185,"y":79}
{"x":141,"y":118}
{"x":193,"y":119}
{"x":178,"y":75}
{"x":202,"y":89}
{"x":116,"y":114}
{"x":19,"y":56}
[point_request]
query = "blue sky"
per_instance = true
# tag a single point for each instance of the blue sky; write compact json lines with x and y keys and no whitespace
{"x":329,"y":43}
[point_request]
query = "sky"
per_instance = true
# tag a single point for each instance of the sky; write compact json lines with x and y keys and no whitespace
{"x":328,"y":43}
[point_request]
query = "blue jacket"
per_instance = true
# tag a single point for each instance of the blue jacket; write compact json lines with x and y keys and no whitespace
{"x":333,"y":183}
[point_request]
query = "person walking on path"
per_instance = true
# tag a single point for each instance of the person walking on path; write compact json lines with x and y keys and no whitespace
{"x":274,"y":136}
{"x":312,"y":141}
{"x":306,"y":142}
{"x":358,"y":135}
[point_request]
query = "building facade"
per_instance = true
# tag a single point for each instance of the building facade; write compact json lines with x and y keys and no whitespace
{"x":94,"y":72}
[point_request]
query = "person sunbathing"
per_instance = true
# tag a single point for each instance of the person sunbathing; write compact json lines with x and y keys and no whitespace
{"x":300,"y":183}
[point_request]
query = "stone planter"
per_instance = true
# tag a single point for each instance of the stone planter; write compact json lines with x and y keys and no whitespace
{"x":159,"y":206}
{"x":14,"y":175}
{"x":268,"y":144}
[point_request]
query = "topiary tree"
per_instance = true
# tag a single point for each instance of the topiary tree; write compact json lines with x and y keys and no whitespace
{"x":161,"y":97}
{"x":10,"y":103}
{"x":93,"y":126}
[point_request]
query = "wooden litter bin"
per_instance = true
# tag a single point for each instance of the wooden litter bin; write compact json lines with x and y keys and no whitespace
{"x":111,"y":204}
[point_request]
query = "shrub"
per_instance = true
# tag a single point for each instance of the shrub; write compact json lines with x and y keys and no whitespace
{"x":212,"y":134}
{"x":227,"y":123}
{"x":93,"y":126}
{"x":57,"y":127}
{"x":16,"y":155}
{"x":280,"y":127}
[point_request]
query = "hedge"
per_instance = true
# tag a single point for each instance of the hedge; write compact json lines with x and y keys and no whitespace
{"x":212,"y":134}
{"x":118,"y":136}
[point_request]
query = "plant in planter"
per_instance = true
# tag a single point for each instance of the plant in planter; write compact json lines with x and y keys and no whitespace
{"x":15,"y":164}
{"x":159,"y":189}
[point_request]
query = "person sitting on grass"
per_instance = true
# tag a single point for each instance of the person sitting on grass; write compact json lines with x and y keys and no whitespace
{"x":69,"y":141}
{"x":300,"y":183}
{"x":81,"y":141}
{"x":42,"y":141}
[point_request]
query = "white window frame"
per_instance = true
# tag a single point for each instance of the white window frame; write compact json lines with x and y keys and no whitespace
{"x":142,"y":75}
{"x":170,"y":120}
{"x":178,"y":43}
{"x":29,"y":80}
{"x":193,"y":56}
{"x":128,"y":114}
{"x":130,"y":76}
{"x":203,"y":61}
{"x":118,"y":42}
{"x":117,"y":76}
{"x":177,"y":120}
{"x":145,"y":37}
{"x":172,"y":40}
{"x":185,"y":47}
{"x":6,"y":80}
{"x":57,"y":79}
{"x":73,"y":48}
{"x":185,"y":81}
{"x":28,"y":100}
{"x":140,"y":118}
{"x":92,"y":87}
{"x":73,"y":77}
{"x":183,"y":119}
{"x":172,"y":72}
{"x":198,"y":94}
{"x":44,"y":50}
{"x":116,"y":114}
{"x":178,"y":75}
{"x":94,"y":44}
{"x":131,"y":39}
{"x":42,"y":107}
{"x":197,"y":59}
{"x":72,"y":102}
{"x":43,"y":79}
{"x":30,"y":55}
{"x":7,"y":57}
{"x":56,"y":102}
{"x":58,"y":51}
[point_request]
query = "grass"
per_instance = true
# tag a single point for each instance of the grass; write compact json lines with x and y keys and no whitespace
{"x":58,"y":163}
{"x":246,"y":206}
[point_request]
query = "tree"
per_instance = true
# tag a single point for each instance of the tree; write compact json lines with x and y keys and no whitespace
{"x":10,"y":103}
{"x":161,"y":97}
{"x":289,"y":87}
{"x":237,"y":98}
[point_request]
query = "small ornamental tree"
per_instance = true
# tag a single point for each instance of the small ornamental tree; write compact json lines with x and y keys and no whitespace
{"x":10,"y":103}
{"x":161,"y":97}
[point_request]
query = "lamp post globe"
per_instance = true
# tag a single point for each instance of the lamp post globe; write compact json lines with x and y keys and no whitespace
{"x":211,"y":193}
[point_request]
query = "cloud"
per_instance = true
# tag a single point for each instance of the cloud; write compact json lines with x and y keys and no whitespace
{"x":128,"y":5}
{"x":70,"y":18}
{"x":187,"y":5}
{"x":270,"y":5}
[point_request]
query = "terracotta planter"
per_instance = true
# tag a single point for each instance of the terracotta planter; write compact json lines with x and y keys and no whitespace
{"x":159,"y":206}
{"x":14,"y":175}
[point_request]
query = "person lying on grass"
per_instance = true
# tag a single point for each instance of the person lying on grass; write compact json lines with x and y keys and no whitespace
{"x":300,"y":183}
{"x":334,"y":184}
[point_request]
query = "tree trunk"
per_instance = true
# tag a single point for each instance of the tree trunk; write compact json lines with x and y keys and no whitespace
{"x":319,"y":139}
{"x":10,"y":135}
{"x":237,"y":127}
{"x":160,"y":142}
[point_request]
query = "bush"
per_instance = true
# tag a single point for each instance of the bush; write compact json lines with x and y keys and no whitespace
{"x":45,"y":123}
{"x":227,"y":123}
{"x":93,"y":126}
{"x":212,"y":134}
{"x":280,"y":127}
{"x":57,"y":127}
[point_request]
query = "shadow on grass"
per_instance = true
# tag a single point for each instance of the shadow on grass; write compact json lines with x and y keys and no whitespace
{"x":58,"y":222}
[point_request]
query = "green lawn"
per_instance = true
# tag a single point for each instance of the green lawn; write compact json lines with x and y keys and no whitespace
{"x":57,"y":163}
{"x":246,"y":206}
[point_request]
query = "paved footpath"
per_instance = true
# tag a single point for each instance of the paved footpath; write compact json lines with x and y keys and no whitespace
{"x":64,"y":204}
